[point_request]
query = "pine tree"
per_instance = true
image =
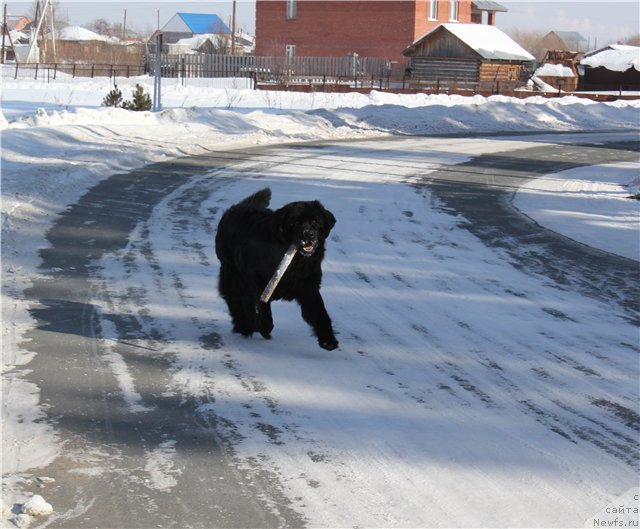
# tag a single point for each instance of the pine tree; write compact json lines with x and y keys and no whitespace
{"x":113,"y":98}
{"x":141,"y":101}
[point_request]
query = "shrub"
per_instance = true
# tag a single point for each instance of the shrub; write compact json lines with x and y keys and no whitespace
{"x":113,"y":98}
{"x":141,"y":101}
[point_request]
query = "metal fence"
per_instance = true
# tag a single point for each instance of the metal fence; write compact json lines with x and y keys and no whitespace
{"x":272,"y":69}
{"x":52,"y":71}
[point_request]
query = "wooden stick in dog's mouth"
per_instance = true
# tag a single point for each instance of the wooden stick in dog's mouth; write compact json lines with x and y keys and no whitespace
{"x":277,"y":275}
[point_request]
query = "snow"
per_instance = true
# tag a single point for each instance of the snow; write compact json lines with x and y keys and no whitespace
{"x":589,"y":205}
{"x":80,"y":33}
{"x":489,"y":42}
{"x":554,"y":70}
{"x":37,"y":506}
{"x":57,"y":143}
{"x":615,"y":57}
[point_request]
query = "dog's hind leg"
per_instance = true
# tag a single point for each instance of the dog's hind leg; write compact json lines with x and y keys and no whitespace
{"x":234,"y":295}
{"x":246,"y":318}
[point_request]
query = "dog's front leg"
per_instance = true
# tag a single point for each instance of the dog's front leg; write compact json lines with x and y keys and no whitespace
{"x":265,"y":319}
{"x":315,"y":314}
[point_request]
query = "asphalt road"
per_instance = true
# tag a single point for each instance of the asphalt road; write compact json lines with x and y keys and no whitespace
{"x":81,"y":394}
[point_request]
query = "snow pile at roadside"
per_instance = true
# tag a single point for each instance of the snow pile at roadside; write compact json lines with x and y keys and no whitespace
{"x":589,"y":205}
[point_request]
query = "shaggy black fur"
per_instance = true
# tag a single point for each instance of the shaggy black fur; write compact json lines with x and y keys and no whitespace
{"x":250,"y":243}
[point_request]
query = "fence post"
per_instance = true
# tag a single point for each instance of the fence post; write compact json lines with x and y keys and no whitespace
{"x":36,"y":74}
{"x":16,"y":75}
{"x":55,"y":71}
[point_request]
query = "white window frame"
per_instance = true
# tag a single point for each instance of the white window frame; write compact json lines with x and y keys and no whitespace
{"x":291,"y":9}
{"x":454,"y":11}
{"x":290,"y":53}
{"x":433,"y":9}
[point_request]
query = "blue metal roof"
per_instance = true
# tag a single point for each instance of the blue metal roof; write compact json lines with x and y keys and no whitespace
{"x":201,"y":23}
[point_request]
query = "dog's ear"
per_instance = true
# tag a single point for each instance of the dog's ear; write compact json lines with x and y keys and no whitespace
{"x":280,"y":222}
{"x":329,"y":220}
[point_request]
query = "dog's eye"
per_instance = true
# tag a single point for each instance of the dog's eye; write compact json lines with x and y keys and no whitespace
{"x":315,"y":225}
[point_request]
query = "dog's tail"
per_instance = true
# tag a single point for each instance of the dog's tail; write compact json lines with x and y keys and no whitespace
{"x":259,"y":199}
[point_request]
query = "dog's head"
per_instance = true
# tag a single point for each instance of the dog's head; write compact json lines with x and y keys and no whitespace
{"x":305,"y":224}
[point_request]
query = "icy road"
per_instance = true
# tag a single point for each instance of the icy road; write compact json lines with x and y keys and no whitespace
{"x":487,"y":371}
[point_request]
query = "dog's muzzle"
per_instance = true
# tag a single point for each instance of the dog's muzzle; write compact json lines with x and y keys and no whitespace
{"x":308,"y":243}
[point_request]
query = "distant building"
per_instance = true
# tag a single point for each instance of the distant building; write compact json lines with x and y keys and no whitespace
{"x":78,"y":44}
{"x":369,"y":28}
{"x":18,"y":23}
{"x":615,"y":67}
{"x":565,"y":41}
{"x":188,"y":25}
{"x":15,"y":36}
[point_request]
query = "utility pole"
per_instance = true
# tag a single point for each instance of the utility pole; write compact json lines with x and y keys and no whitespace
{"x":233,"y":29}
{"x":53,"y":32}
{"x":34,"y":38}
{"x":4,"y":30}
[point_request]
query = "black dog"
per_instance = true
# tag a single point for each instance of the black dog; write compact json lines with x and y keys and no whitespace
{"x":250,"y":243}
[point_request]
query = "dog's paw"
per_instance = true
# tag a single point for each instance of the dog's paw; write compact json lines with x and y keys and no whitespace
{"x":329,"y":344}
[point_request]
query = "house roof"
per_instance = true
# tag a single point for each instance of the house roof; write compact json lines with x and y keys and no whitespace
{"x":17,"y":22}
{"x":615,"y":57}
{"x":488,"y":5}
{"x":572,"y":39}
{"x":487,"y":41}
{"x":79,"y":33}
{"x":554,"y":70}
{"x":197,"y":23}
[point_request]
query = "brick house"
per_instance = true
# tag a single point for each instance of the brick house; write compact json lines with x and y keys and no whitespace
{"x":369,"y":28}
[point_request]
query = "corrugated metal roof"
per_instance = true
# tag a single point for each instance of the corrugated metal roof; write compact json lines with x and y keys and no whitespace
{"x":572,"y":40}
{"x":488,"y":5}
{"x":203,"y":23}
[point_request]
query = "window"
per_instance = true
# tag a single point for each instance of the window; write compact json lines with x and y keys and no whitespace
{"x":433,"y":9}
{"x":453,"y":16}
{"x":290,"y":53}
{"x":291,"y":9}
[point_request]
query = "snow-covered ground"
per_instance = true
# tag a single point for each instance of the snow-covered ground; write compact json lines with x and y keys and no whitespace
{"x":57,"y":143}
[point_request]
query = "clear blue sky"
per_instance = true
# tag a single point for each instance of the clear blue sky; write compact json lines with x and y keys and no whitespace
{"x":606,"y":21}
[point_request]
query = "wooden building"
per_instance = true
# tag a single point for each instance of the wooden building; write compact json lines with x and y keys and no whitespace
{"x":77,"y":44}
{"x":468,"y":56}
{"x":561,"y":70}
{"x":616,"y":67}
